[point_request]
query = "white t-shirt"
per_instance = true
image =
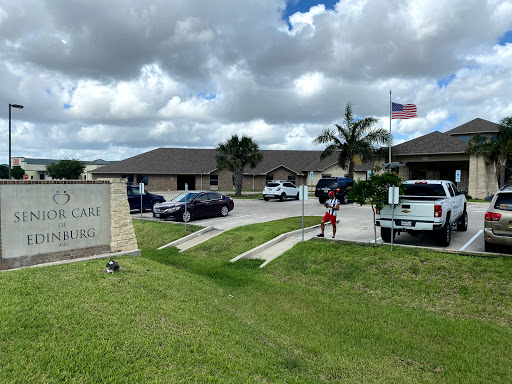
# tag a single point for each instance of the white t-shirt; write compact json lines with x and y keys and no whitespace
{"x":334,"y":202}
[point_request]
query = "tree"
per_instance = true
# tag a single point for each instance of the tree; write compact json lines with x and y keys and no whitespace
{"x":17,"y":172}
{"x":4,"y":172}
{"x":66,"y":169}
{"x":498,"y":149}
{"x":235,"y":154}
{"x":354,"y":141}
{"x":375,"y":191}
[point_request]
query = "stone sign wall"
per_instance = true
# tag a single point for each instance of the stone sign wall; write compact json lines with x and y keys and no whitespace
{"x":43,"y":221}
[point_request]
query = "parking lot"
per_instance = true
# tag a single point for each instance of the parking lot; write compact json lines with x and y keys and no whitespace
{"x":356,"y":222}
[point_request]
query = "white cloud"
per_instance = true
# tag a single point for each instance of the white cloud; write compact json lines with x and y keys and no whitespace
{"x":140,"y":75}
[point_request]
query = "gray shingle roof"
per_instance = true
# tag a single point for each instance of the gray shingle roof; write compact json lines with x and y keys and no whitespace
{"x":30,"y":160}
{"x":431,"y":143}
{"x":197,"y":161}
{"x":475,"y":126}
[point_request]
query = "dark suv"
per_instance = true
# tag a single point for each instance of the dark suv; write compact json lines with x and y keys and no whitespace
{"x":148,"y":199}
{"x":340,"y":185}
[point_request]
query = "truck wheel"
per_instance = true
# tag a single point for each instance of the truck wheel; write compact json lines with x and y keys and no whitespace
{"x":462,"y":225}
{"x":297,"y":197}
{"x":385,"y":233}
{"x":344,"y":199}
{"x":322,"y":200}
{"x":266,"y":198}
{"x":445,"y":235}
{"x":283,"y":197}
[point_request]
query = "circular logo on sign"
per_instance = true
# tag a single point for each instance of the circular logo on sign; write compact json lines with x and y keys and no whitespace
{"x":25,"y":176}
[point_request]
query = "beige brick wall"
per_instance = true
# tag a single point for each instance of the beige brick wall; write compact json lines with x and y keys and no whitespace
{"x":122,"y":234}
{"x":482,"y":177}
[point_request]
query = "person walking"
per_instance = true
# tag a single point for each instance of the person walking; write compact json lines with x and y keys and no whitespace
{"x":333,"y":206}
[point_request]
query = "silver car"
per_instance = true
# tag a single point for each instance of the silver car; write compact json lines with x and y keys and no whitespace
{"x":498,"y":220}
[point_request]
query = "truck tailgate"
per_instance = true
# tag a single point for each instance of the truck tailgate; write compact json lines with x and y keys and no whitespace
{"x":411,"y":210}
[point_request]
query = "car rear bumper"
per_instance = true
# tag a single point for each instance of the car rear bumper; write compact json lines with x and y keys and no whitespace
{"x":409,"y":225}
{"x":493,"y":238}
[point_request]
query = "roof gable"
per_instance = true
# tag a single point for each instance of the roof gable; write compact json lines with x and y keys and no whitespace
{"x":202,"y":161}
{"x":431,"y":143}
{"x":475,"y":126}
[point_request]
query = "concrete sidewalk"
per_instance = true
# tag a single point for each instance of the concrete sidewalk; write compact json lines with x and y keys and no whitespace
{"x":276,"y":247}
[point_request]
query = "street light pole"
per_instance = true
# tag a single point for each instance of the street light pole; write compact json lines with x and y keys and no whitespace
{"x":13,"y":106}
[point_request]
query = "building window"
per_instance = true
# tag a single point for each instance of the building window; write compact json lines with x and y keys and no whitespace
{"x":269,"y":177}
{"x":41,"y":175}
{"x":292,"y":179}
{"x":142,"y":179}
{"x":214,"y":179}
{"x":326,"y":175}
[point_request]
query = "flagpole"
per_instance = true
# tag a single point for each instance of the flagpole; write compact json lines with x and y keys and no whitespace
{"x":390,"y":126}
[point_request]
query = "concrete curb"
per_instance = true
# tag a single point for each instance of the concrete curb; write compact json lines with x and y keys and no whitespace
{"x":271,"y":242}
{"x":187,"y":238}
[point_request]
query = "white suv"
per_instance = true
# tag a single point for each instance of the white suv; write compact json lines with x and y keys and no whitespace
{"x":280,"y":189}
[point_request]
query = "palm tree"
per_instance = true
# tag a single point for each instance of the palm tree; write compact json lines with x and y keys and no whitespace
{"x":498,"y":149}
{"x":354,"y":141}
{"x":235,"y":154}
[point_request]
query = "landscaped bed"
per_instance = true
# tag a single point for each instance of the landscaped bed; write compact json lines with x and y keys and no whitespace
{"x":322,"y":312}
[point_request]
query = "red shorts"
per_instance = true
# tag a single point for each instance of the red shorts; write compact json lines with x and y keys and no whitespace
{"x":328,"y":217}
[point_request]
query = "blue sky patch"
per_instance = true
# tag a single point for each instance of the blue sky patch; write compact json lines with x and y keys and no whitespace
{"x":293,"y":6}
{"x":446,"y":80}
{"x":48,"y":91}
{"x":206,"y":95}
{"x":506,"y":38}
{"x":67,"y":106}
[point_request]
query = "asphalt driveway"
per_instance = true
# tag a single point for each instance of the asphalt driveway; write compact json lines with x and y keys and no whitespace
{"x":356,"y":222}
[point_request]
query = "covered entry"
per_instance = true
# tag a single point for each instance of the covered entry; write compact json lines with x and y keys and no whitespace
{"x":189,"y":179}
{"x":440,"y":170}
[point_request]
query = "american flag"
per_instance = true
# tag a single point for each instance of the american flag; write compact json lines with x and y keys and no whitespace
{"x":405,"y":111}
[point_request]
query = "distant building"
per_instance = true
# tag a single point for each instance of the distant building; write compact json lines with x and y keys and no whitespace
{"x":168,"y":169}
{"x":35,"y":168}
{"x":436,"y":155}
{"x":439,"y":155}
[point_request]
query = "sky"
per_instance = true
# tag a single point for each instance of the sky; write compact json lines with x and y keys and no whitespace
{"x":111,"y":80}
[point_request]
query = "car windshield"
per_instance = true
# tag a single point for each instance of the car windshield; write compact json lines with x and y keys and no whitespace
{"x":424,"y":190}
{"x":504,"y":202}
{"x":272,"y":184}
{"x":326,"y":183}
{"x":185,"y":197}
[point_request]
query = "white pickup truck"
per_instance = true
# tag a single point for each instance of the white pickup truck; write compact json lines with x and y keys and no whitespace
{"x":426,"y":205}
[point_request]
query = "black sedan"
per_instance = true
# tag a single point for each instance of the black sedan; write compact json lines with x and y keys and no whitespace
{"x":199,"y":204}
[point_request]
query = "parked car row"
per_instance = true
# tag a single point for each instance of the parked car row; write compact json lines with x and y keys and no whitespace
{"x":440,"y":197}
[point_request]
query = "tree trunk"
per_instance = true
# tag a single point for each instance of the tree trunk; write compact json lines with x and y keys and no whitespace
{"x":351,"y":169}
{"x":238,"y":175}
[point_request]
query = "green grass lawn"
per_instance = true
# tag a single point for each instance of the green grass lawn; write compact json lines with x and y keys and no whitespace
{"x":322,"y":312}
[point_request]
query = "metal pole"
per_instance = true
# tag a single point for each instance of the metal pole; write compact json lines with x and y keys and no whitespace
{"x":392,"y":224}
{"x":13,"y":106}
{"x":304,"y":190}
{"x":185,"y":217}
{"x":390,"y":126}
{"x":9,"y":141}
